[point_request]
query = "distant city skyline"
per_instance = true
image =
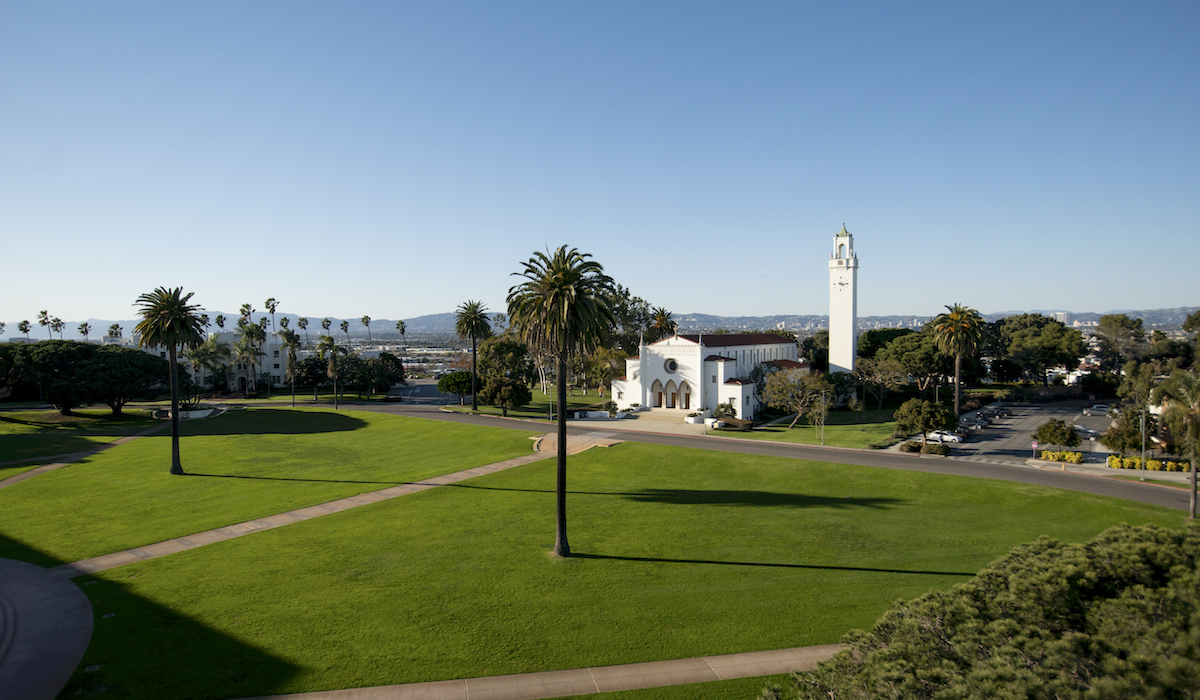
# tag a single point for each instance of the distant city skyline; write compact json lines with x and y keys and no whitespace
{"x":397,"y":159}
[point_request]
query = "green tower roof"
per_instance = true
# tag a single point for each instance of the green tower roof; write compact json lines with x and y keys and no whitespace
{"x":843,"y":232}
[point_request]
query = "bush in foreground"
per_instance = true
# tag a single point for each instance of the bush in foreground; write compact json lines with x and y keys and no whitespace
{"x":1117,"y":617}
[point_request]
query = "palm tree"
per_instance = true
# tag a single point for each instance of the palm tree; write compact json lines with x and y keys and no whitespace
{"x":221,"y":322}
{"x":44,"y":321}
{"x":345,"y":326}
{"x":24,"y":327}
{"x":85,"y":329}
{"x":958,"y":332}
{"x":262,"y":323}
{"x":471,"y":321}
{"x":271,"y":305}
{"x":328,"y":350}
{"x":291,"y":343}
{"x":57,"y":325}
{"x":114,"y":331}
{"x":284,"y":322}
{"x":168,"y":319}
{"x":401,"y":327}
{"x":1180,"y":397}
{"x":366,"y":321}
{"x":204,"y":322}
{"x":2,"y":326}
{"x":325,"y":324}
{"x":210,"y":354}
{"x":247,"y":312}
{"x":662,"y":324}
{"x":302,"y":324}
{"x":247,"y":350}
{"x":561,"y":308}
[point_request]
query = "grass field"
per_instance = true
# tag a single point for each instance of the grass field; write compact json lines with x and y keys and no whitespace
{"x":540,"y":405}
{"x":242,"y":465}
{"x":679,"y":553}
{"x":28,"y":435}
{"x":842,"y":429}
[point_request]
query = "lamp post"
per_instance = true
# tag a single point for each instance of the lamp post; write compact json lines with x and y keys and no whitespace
{"x":1143,"y":477}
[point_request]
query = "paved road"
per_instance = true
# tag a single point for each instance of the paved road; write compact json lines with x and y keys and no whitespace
{"x":1144,"y":493}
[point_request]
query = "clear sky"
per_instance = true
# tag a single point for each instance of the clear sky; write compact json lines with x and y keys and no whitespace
{"x":396,"y":159}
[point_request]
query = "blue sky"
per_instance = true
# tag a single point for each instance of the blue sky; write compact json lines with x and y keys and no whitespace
{"x":396,"y":159}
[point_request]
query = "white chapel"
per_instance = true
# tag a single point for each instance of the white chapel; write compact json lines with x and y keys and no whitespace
{"x":697,"y":373}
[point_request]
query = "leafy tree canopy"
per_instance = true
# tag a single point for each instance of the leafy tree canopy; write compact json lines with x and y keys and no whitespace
{"x":458,"y":383}
{"x":921,"y":416}
{"x":872,"y":341}
{"x":1057,"y":432}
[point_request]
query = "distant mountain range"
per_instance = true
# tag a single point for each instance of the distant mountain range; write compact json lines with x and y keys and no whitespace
{"x":443,"y":324}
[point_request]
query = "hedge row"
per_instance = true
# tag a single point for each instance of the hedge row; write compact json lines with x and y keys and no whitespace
{"x":1154,"y":465}
{"x":1065,"y":456}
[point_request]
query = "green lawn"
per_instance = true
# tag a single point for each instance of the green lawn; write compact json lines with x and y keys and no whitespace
{"x":842,"y":429}
{"x":242,"y":465}
{"x":680,"y":553}
{"x":36,"y":434}
{"x":540,"y":405}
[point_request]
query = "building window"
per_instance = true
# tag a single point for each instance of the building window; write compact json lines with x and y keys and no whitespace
{"x":276,"y":365}
{"x":714,"y":381}
{"x":277,"y":354}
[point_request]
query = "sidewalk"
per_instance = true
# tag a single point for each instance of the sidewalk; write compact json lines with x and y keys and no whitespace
{"x":588,"y":681}
{"x":64,"y":460}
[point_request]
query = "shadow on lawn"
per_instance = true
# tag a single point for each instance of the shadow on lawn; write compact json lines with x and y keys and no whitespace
{"x":689,"y":497}
{"x":128,"y":648}
{"x":273,"y":421}
{"x":579,"y":555}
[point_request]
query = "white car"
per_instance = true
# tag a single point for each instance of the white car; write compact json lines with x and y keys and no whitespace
{"x":1100,"y":409}
{"x":944,"y":436}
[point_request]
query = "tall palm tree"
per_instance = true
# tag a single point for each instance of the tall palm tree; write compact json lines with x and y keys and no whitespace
{"x":401,"y":327}
{"x":24,"y":327}
{"x":328,"y":350}
{"x":221,"y":322}
{"x":204,"y":322}
{"x":168,"y":319}
{"x":271,"y":305}
{"x":284,"y":322}
{"x":248,"y":349}
{"x":302,"y":324}
{"x":44,"y":321}
{"x":958,"y":332}
{"x":345,"y":326}
{"x":291,"y":343}
{"x":85,"y":329}
{"x":247,"y":312}
{"x":2,"y":326}
{"x":325,"y":324}
{"x":57,"y":325}
{"x":1180,"y":397}
{"x":471,"y":321}
{"x":211,"y":355}
{"x":662,"y":323}
{"x":366,"y":321}
{"x":114,"y":331}
{"x":561,"y":309}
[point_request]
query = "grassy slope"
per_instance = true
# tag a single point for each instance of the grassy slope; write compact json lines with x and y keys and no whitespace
{"x":242,"y":465}
{"x":842,"y":429}
{"x":683,"y":553}
{"x":35,"y":434}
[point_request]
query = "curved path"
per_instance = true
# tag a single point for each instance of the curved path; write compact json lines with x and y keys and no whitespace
{"x":45,"y":626}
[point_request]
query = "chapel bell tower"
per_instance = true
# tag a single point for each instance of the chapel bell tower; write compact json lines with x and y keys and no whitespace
{"x":843,"y":303}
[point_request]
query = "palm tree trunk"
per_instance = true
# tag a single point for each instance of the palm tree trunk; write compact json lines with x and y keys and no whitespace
{"x":1192,"y":500}
{"x":176,"y":466}
{"x":957,"y":382}
{"x":561,"y":548}
{"x":474,"y":401}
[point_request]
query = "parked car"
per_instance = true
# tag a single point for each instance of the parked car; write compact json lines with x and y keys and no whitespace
{"x":944,"y":436}
{"x":1100,"y":409}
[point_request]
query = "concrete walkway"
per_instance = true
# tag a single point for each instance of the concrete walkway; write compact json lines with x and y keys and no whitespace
{"x":588,"y":681}
{"x":64,"y":460}
{"x":45,"y":626}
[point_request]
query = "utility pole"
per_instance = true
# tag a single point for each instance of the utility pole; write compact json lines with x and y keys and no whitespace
{"x":1143,"y":477}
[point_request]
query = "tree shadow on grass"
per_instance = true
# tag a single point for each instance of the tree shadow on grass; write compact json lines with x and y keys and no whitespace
{"x":691,"y":497}
{"x":868,"y":569}
{"x":127,"y":647}
{"x":272,"y":421}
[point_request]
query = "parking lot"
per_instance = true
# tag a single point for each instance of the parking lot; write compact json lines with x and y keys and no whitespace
{"x":1010,"y":439}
